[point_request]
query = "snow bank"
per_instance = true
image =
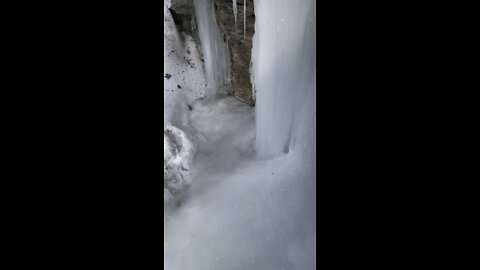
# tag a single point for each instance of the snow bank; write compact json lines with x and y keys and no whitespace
{"x":184,"y":83}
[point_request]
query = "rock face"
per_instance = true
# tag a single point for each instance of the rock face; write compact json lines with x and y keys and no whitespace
{"x":240,"y":47}
{"x":183,"y":13}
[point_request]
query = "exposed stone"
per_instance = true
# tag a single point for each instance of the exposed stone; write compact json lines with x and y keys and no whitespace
{"x":183,"y":13}
{"x":240,"y":49}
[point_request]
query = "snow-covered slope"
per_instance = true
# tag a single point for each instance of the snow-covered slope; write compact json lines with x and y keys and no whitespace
{"x":184,"y":83}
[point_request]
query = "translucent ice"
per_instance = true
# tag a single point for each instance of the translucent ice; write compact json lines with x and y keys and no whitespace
{"x":283,"y":58}
{"x":215,"y":54}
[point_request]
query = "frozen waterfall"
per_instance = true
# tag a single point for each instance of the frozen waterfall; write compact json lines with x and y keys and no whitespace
{"x":215,"y":52}
{"x":283,"y":63}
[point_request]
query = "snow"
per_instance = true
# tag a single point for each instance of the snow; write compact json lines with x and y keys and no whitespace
{"x":250,"y":201}
{"x":239,"y":212}
{"x":184,"y":83}
{"x":244,"y":220}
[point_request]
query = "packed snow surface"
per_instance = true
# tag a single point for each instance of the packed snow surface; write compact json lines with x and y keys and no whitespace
{"x":239,"y":212}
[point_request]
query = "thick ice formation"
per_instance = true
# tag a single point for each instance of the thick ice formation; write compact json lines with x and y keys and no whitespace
{"x":283,"y":58}
{"x":215,"y":53}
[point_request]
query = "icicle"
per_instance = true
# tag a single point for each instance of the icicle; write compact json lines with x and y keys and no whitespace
{"x":234,"y":3}
{"x":244,"y":17}
{"x":215,"y":52}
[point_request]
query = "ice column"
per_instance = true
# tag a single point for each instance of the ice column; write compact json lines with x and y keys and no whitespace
{"x":215,"y":54}
{"x":283,"y":59}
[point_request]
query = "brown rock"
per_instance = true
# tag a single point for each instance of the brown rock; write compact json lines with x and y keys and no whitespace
{"x":240,"y":48}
